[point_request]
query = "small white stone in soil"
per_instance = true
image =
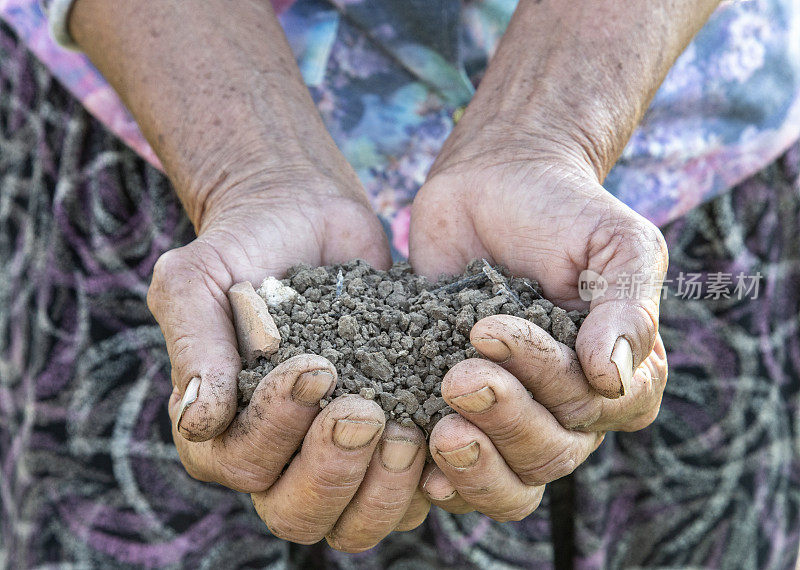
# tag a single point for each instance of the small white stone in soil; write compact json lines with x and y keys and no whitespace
{"x":274,"y":292}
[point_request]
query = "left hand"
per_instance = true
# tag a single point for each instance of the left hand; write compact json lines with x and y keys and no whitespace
{"x":342,"y":473}
{"x":542,"y":213}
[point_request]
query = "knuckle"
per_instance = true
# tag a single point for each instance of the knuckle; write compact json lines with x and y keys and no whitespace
{"x":413,"y":519}
{"x":186,"y":270}
{"x":166,"y":263}
{"x":194,"y":471}
{"x":343,"y":545}
{"x":181,"y":347}
{"x":287,"y":520}
{"x":350,"y":543}
{"x":338,"y":480}
{"x":577,"y":414}
{"x":629,"y":238}
{"x":480,"y":489}
{"x":648,"y":237}
{"x":643,"y":420}
{"x":384,"y":508}
{"x":292,"y":530}
{"x":545,"y":470}
{"x":242,"y":482}
{"x":163,"y":268}
{"x":170,"y":263}
{"x":269,"y":432}
{"x":196,"y":468}
{"x":509,"y":431}
{"x":514,"y":515}
{"x":522,"y":507}
{"x":249,"y":479}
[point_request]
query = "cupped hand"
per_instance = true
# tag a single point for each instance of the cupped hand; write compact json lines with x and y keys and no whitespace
{"x":355,"y":479}
{"x":540,"y":210}
{"x":503,"y":446}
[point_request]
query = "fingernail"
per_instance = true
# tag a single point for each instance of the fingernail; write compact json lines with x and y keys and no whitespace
{"x":441,"y":492}
{"x":622,"y":357}
{"x":477,"y":401}
{"x":493,"y":349}
{"x":189,"y":396}
{"x":352,"y":434}
{"x":398,"y":454}
{"x":311,"y":387}
{"x":462,"y":457}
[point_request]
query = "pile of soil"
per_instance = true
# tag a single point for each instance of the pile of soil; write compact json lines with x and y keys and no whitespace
{"x":392,"y":334}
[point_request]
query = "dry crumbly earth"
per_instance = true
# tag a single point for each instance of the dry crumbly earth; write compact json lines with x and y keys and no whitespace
{"x":392,"y":334}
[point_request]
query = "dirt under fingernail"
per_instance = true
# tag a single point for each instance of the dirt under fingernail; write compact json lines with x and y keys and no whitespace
{"x":393,"y":334}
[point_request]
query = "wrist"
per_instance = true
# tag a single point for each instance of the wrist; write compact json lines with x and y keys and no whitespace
{"x":217,"y":93}
{"x":489,"y":140}
{"x":576,"y":78}
{"x":563,"y":122}
{"x":250,"y":186}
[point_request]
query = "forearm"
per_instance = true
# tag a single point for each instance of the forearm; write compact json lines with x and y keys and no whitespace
{"x":214,"y":88}
{"x":580,"y":75}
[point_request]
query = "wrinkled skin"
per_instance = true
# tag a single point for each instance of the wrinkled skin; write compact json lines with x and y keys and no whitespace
{"x":340,"y":486}
{"x":518,"y":182}
{"x":542,"y":213}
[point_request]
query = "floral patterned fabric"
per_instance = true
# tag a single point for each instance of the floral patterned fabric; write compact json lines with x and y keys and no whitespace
{"x":388,"y":75}
{"x":89,"y":477}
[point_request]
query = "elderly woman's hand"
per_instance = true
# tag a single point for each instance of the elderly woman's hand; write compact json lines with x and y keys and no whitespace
{"x":355,"y":479}
{"x":216,"y":90}
{"x":519,"y":183}
{"x":546,"y":219}
{"x":503,"y":446}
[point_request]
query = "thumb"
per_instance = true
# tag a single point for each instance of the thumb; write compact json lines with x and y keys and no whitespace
{"x":187,"y":297}
{"x":626,"y":263}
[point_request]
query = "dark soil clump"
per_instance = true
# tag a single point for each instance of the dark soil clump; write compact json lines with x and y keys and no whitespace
{"x":392,"y":335}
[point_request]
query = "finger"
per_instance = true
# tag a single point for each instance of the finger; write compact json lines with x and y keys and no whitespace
{"x":187,"y":298}
{"x":310,"y":496}
{"x":552,"y":373}
{"x":253,"y":451}
{"x":630,"y":255}
{"x":385,"y":493}
{"x":479,"y":473}
{"x":417,"y":512}
{"x":442,"y":493}
{"x":532,"y":442}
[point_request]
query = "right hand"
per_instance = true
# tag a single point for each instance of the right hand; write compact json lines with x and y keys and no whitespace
{"x":331,"y":488}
